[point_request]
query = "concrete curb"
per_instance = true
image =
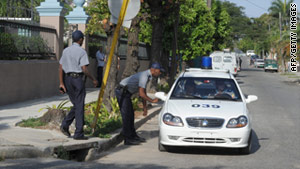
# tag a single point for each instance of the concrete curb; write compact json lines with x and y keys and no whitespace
{"x":82,"y":150}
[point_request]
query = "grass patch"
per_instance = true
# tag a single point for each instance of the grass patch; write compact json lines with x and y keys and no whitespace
{"x":2,"y":159}
{"x":288,"y":74}
{"x":294,"y":76}
{"x":31,"y":122}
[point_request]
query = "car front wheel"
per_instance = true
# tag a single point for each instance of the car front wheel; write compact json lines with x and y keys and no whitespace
{"x":161,"y":147}
{"x":247,"y":150}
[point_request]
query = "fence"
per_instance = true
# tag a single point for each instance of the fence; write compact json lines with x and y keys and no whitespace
{"x":99,"y":40}
{"x":25,"y":40}
{"x":19,"y":14}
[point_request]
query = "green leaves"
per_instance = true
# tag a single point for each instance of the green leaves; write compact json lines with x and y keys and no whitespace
{"x":196,"y":29}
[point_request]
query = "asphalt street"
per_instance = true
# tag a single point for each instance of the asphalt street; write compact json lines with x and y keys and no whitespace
{"x":275,"y":116}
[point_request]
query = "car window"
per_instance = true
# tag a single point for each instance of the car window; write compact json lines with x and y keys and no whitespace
{"x":217,"y":59}
{"x":273,"y":62}
{"x":227,"y":59}
{"x":206,"y":88}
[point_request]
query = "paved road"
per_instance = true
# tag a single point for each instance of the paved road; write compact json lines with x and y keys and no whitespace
{"x":276,"y":119}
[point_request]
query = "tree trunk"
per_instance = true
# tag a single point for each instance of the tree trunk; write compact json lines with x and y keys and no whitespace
{"x":132,"y":63}
{"x":113,"y":73}
{"x":157,"y":34}
{"x":175,"y":47}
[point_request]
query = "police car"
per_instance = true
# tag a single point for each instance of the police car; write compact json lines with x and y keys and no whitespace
{"x":205,"y":108}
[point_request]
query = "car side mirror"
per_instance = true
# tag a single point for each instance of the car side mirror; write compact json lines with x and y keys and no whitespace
{"x":251,"y":98}
{"x":161,"y":96}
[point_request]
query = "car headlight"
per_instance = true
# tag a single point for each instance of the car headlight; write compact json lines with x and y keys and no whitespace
{"x":239,"y":122}
{"x":171,"y":120}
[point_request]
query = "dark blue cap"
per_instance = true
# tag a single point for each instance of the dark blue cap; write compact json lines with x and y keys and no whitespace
{"x":156,"y":65}
{"x":77,"y":35}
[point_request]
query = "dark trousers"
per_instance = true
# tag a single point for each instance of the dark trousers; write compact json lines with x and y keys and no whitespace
{"x":127,"y":112}
{"x":100,"y":75}
{"x":76,"y":91}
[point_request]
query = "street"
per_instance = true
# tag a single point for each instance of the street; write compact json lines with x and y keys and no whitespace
{"x":275,"y":119}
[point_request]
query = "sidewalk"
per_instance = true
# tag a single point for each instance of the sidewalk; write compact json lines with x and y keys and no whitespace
{"x":19,"y":142}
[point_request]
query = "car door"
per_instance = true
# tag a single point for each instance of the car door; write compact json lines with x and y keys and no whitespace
{"x":217,"y":62}
{"x":228,"y":63}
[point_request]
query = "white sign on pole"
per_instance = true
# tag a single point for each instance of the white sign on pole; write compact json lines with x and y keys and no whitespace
{"x":132,"y":10}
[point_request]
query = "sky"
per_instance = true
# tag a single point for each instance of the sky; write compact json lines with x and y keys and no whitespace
{"x":255,"y":8}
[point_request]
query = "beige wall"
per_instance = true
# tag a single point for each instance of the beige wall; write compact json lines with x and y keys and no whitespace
{"x":26,"y":80}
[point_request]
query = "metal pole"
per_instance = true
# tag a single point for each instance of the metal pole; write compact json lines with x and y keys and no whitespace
{"x":31,"y":10}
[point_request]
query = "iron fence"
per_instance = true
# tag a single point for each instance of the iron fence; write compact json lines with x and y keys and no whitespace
{"x":20,"y":14}
{"x":23,"y":40}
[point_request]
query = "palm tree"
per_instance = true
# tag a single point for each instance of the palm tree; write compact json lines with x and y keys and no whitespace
{"x":283,"y":7}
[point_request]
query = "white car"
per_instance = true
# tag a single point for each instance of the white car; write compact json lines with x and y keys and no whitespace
{"x":250,"y":53}
{"x":259,"y":63}
{"x":205,"y":108}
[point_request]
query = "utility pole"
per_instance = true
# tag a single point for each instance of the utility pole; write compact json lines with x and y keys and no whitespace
{"x":280,"y":25}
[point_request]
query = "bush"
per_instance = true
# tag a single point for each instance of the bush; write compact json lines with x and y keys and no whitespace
{"x":12,"y":45}
{"x":107,"y":122}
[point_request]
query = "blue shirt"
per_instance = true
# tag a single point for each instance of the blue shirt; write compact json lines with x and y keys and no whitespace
{"x":100,"y":58}
{"x":137,"y":80}
{"x":73,"y":58}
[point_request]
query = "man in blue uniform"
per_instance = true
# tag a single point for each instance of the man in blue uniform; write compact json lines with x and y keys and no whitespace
{"x":127,"y":87}
{"x":73,"y":63}
{"x":100,"y":56}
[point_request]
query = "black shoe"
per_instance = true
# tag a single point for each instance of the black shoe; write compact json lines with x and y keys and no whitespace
{"x":65,"y":132}
{"x":81,"y":138}
{"x":131,"y":142}
{"x":140,"y":139}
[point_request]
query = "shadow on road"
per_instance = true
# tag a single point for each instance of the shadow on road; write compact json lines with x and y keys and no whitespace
{"x":253,"y":69}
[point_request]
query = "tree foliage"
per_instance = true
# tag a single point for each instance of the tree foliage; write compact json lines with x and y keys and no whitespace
{"x":239,"y":22}
{"x":223,"y":29}
{"x":196,"y":29}
{"x":99,"y":12}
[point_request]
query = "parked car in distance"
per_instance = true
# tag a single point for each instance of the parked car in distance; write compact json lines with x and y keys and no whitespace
{"x":253,"y":58}
{"x":205,"y":108}
{"x":250,"y":53}
{"x":259,"y":63}
{"x":270,"y":65}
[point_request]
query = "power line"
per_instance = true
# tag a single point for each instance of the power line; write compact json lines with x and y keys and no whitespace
{"x":256,"y":5}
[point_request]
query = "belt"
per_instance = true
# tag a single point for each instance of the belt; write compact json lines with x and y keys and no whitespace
{"x":123,"y":89}
{"x":74,"y":74}
{"x":120,"y":87}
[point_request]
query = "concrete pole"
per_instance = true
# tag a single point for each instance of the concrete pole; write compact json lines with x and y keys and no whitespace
{"x":82,"y":27}
{"x":79,"y":17}
{"x":52,"y":14}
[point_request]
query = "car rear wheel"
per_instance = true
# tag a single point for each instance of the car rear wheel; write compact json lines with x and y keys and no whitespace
{"x":247,"y":150}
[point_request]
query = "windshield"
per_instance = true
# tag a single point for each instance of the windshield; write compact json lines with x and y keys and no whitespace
{"x":206,"y":88}
{"x":271,"y":62}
